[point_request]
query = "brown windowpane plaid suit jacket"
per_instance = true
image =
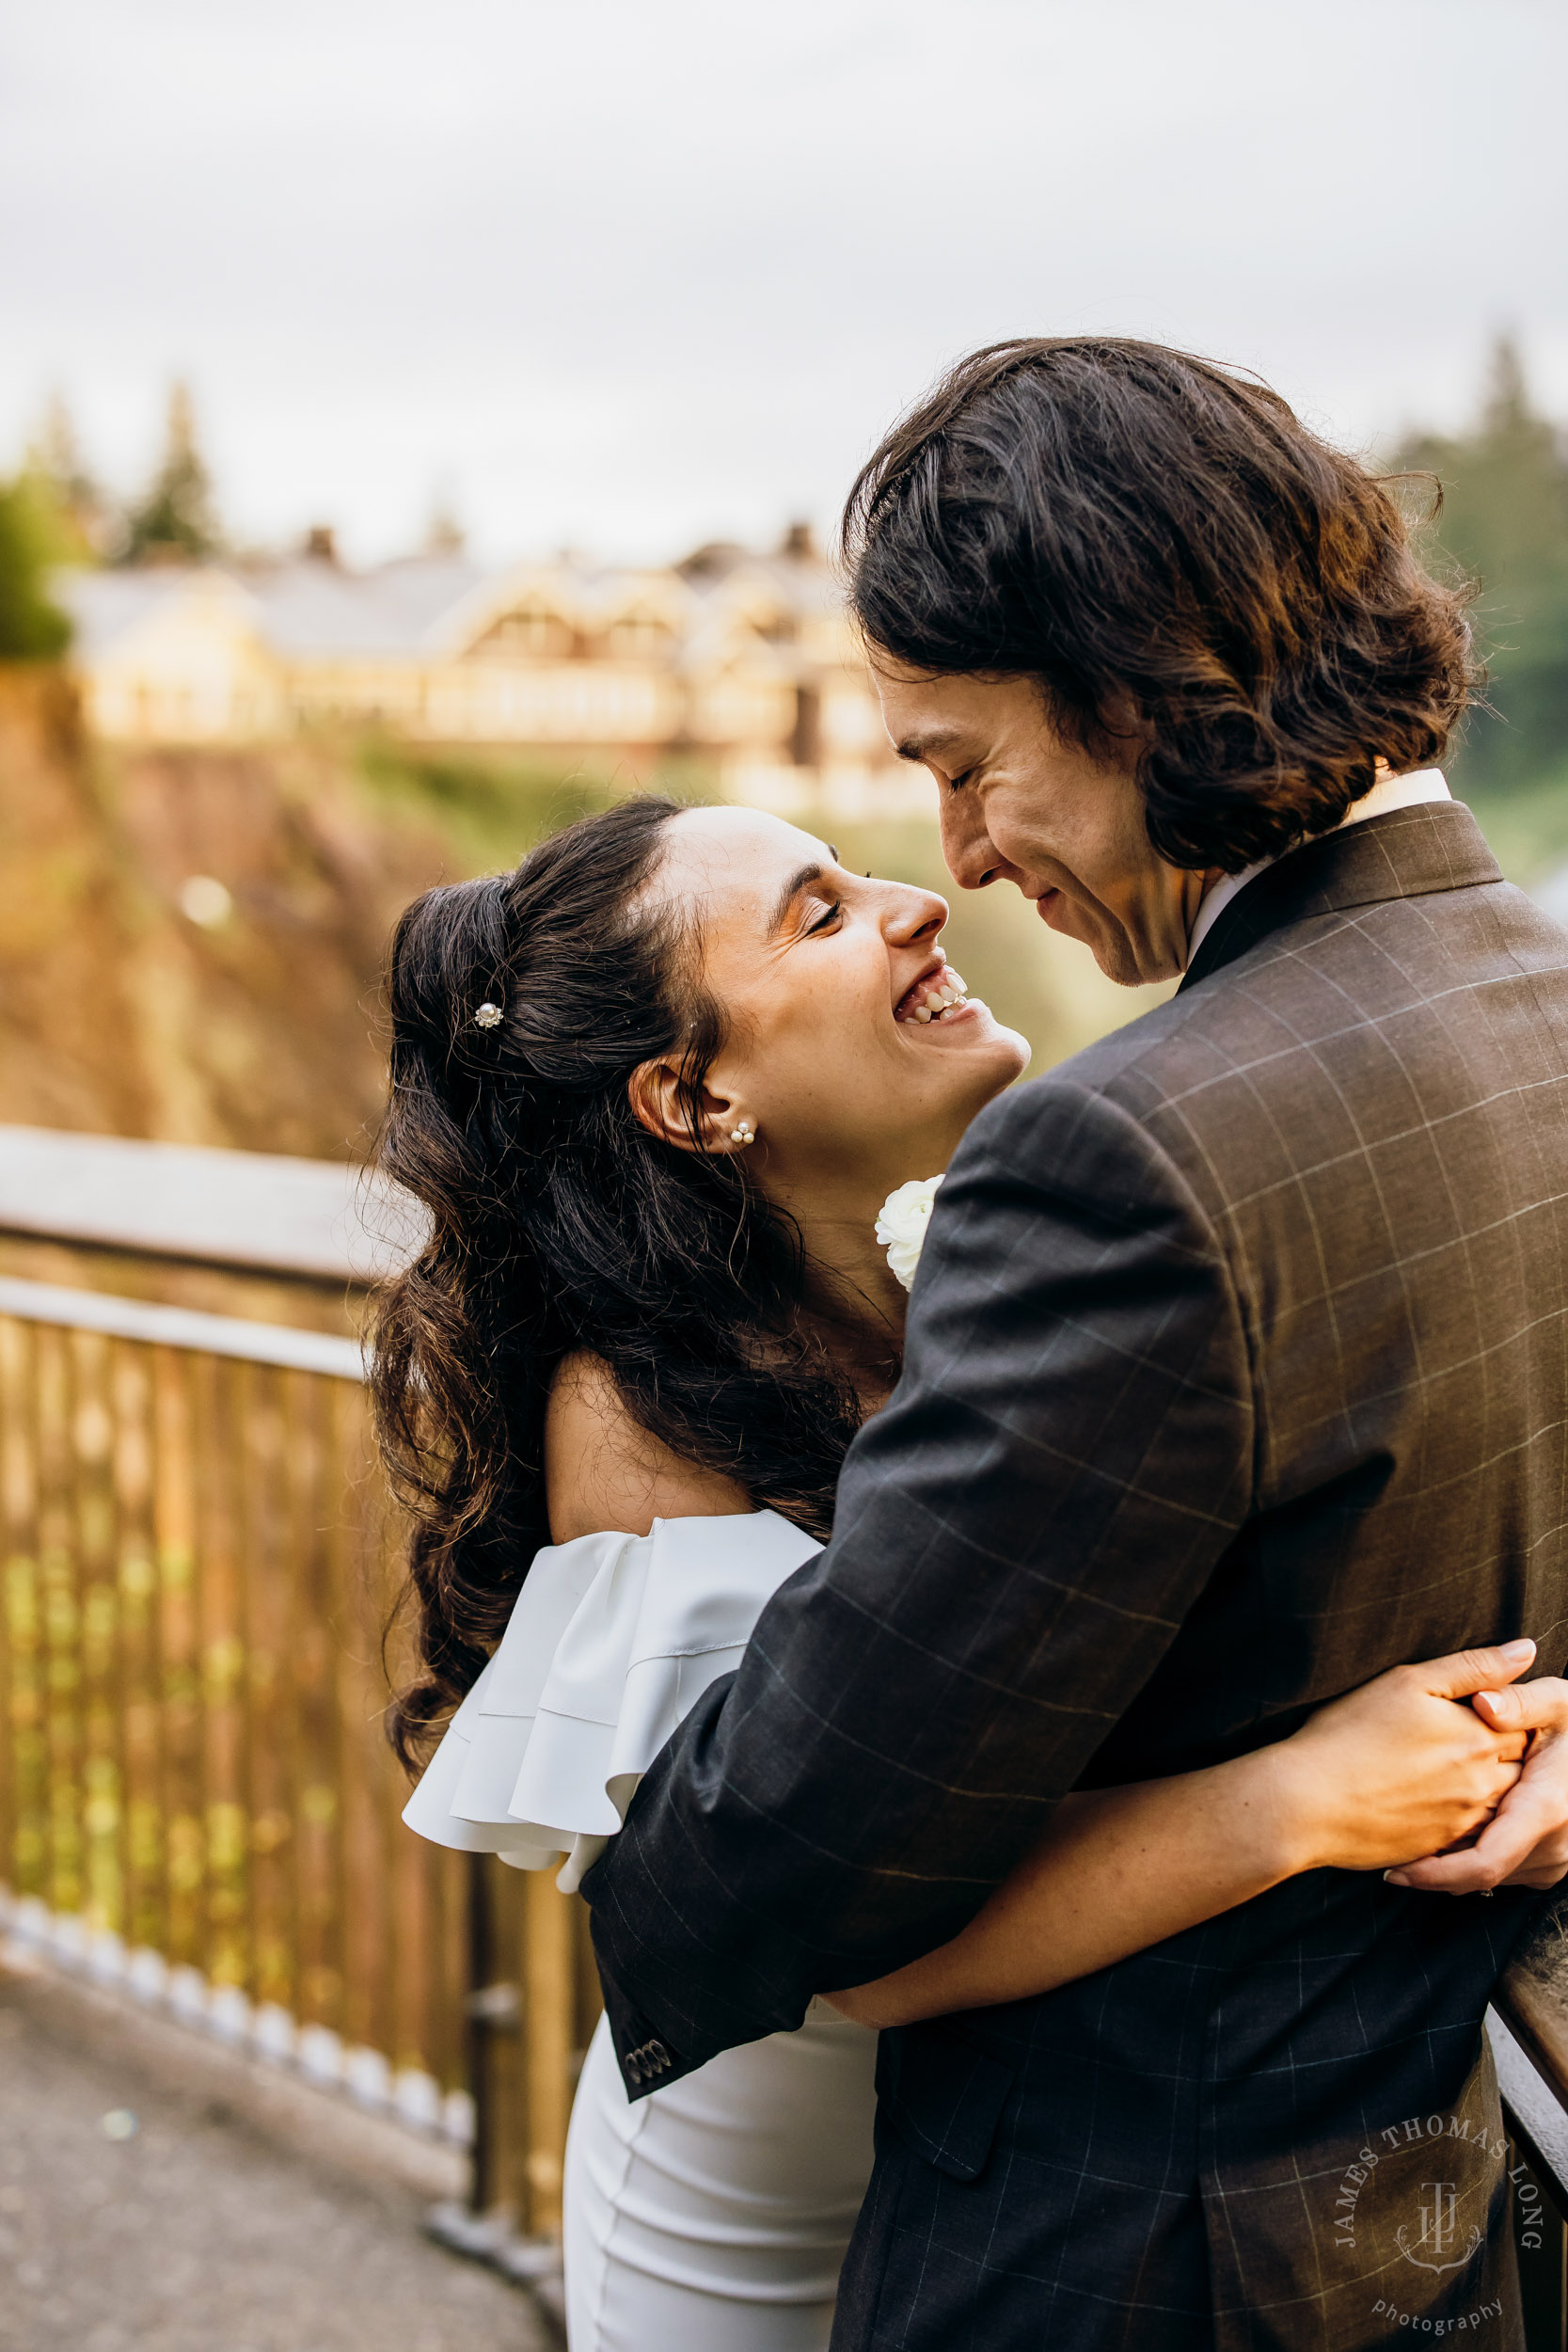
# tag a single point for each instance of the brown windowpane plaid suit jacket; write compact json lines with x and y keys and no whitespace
{"x":1237,"y":1371}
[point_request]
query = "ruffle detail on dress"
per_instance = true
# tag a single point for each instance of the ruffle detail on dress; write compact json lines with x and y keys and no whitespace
{"x":612,"y":1641}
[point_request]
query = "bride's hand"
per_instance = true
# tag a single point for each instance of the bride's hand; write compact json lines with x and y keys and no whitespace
{"x":1401,"y":1768}
{"x":1395,"y":1770}
{"x":1526,"y":1844}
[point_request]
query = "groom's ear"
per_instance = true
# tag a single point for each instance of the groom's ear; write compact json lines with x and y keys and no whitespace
{"x":665,"y":1107}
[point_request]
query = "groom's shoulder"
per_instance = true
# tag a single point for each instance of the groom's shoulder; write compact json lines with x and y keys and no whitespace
{"x":1096,"y":1107}
{"x":1292,"y":1030}
{"x":1187,"y":1041}
{"x":1087,"y":1127}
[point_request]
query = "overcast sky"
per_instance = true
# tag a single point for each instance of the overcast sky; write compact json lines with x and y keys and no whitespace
{"x":626,"y":274}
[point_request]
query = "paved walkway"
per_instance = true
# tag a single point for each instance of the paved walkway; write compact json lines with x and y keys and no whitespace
{"x":216,"y":2221}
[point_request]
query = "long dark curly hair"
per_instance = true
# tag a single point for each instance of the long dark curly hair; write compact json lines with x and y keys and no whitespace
{"x":556,"y":1222}
{"x":1158,"y":538}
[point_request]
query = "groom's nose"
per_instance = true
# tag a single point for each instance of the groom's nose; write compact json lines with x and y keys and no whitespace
{"x":973,"y":858}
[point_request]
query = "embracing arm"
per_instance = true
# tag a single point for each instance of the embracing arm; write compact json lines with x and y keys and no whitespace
{"x":1393,"y":1771}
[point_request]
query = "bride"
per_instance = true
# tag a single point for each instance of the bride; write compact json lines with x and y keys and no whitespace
{"x":652,"y":1089}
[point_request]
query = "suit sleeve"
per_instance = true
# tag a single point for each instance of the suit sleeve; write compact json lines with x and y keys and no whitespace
{"x":1019,"y":1537}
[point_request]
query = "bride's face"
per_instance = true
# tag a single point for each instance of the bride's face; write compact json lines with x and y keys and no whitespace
{"x":840,"y":1053}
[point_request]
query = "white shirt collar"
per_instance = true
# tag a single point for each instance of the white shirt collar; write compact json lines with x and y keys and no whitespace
{"x":1393,"y":792}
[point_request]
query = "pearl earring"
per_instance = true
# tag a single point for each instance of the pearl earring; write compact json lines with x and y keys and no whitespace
{"x":744,"y":1133}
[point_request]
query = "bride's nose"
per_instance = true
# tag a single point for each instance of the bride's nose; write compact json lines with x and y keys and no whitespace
{"x":914,"y":914}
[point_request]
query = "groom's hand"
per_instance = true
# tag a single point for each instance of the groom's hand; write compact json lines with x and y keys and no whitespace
{"x":1526,"y":1842}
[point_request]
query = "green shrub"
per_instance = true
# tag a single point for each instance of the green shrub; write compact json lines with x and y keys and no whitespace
{"x":31,"y":627}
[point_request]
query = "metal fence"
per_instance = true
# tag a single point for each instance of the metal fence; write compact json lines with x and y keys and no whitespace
{"x":197,"y":1801}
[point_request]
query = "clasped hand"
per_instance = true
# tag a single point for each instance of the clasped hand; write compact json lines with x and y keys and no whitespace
{"x":1487,"y":1807}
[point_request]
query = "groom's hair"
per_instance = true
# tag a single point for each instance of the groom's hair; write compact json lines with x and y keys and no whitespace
{"x":1164,"y":546}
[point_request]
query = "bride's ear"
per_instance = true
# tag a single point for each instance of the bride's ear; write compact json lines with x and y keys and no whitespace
{"x":663,"y":1106}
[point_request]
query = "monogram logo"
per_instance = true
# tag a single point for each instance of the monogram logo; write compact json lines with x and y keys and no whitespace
{"x":1428,"y":2190}
{"x":1440,"y":2231}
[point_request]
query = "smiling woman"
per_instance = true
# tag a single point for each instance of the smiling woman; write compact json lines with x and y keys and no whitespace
{"x":847,"y":1048}
{"x":666,"y":1155}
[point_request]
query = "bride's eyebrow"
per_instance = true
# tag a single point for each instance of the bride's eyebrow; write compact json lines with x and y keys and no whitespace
{"x":791,"y":891}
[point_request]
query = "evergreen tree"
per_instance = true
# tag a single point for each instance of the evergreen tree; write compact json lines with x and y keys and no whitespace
{"x":1504,"y":522}
{"x":76,"y":511}
{"x":175,"y":521}
{"x":31,"y":628}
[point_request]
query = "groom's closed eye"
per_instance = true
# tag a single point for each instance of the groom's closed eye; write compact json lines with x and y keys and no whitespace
{"x":942,"y":749}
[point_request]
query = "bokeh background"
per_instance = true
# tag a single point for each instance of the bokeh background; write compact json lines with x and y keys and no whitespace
{"x":418,"y":424}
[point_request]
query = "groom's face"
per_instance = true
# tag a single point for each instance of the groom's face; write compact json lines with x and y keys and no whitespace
{"x":1021,"y":802}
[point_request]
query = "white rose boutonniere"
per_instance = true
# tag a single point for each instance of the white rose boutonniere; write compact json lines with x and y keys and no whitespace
{"x":901,"y":1223}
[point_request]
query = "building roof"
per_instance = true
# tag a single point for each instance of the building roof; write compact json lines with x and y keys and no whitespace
{"x":310,"y":608}
{"x":107,"y":606}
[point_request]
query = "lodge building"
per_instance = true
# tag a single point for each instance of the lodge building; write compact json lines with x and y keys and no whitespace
{"x":745,"y":660}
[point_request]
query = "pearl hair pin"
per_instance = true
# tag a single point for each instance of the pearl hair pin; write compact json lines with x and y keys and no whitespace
{"x":488,"y":1016}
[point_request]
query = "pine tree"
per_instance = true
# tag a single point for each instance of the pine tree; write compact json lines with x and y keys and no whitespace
{"x":76,"y":514}
{"x":176,"y":521}
{"x":1504,"y":522}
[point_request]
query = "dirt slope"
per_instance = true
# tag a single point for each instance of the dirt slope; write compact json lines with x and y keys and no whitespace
{"x":118,"y":1012}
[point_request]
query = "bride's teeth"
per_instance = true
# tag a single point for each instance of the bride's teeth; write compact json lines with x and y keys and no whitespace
{"x":939,"y":996}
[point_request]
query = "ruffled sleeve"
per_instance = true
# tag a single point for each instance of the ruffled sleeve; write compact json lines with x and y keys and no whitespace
{"x":613,"y":1639}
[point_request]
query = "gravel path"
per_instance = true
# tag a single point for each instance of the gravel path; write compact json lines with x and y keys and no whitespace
{"x":197,"y":2229}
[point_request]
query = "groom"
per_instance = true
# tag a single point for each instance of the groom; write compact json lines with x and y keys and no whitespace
{"x":1237,"y":1371}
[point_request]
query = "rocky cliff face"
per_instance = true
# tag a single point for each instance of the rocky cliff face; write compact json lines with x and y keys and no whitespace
{"x":131,"y":1004}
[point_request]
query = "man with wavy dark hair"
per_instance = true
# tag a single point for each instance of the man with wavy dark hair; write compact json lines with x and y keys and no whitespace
{"x":1237,"y":1371}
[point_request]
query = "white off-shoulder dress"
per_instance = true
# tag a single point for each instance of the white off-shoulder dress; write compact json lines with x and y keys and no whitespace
{"x":713,"y":2214}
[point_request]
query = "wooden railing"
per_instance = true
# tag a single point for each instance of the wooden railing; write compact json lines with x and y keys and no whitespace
{"x":196,"y":1800}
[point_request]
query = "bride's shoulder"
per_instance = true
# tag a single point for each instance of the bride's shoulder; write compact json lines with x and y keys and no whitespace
{"x":603,"y":1468}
